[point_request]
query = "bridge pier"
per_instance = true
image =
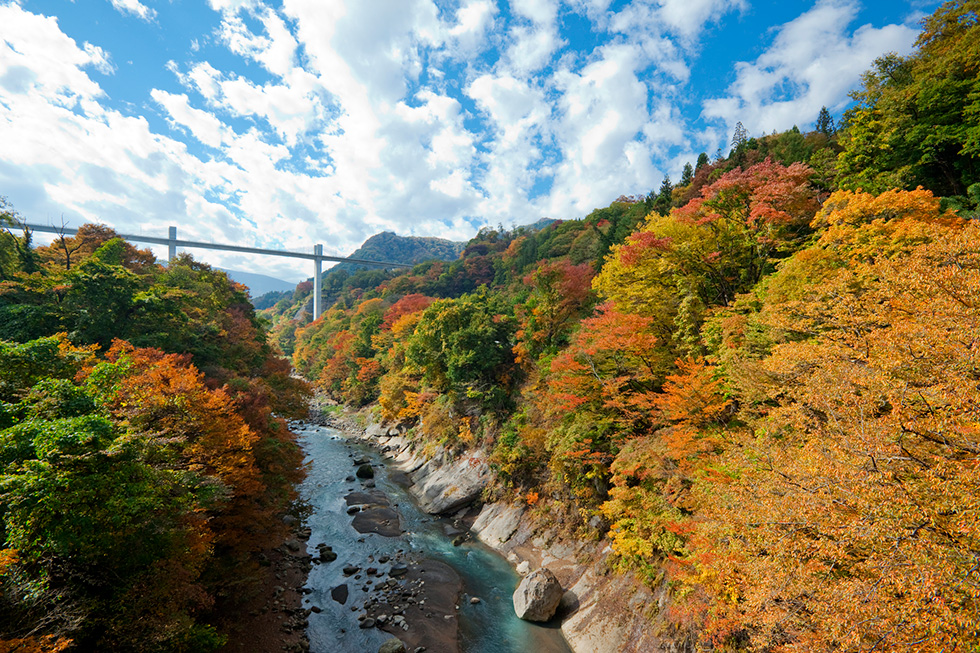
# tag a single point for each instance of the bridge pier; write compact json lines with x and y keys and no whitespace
{"x":317,"y":281}
{"x":172,"y":245}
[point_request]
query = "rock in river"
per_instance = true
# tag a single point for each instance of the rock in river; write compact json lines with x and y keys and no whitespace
{"x":339,"y":594}
{"x":393,"y":645}
{"x":378,"y":519}
{"x":538,"y":596}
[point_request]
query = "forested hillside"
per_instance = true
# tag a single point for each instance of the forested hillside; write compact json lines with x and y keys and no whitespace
{"x":760,"y":383}
{"x":292,"y":310}
{"x":388,"y":246}
{"x":142,"y":468}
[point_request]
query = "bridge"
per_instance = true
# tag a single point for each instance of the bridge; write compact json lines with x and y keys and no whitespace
{"x":172,"y":243}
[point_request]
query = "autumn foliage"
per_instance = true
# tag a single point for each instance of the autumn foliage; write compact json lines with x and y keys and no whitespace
{"x":774,"y":409}
{"x":601,"y":391}
{"x":759,"y":384}
{"x":561,"y":293}
{"x":854,"y":512}
{"x":765,"y":399}
{"x":139,"y":478}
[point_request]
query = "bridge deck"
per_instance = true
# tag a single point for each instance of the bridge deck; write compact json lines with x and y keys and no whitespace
{"x":173,"y":243}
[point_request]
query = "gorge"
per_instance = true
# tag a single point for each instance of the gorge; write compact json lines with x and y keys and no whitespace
{"x":412,"y":574}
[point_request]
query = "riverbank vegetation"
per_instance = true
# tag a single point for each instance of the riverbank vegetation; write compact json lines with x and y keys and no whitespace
{"x":760,"y":383}
{"x":144,"y":462}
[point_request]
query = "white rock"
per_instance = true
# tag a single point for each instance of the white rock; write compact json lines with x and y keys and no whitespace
{"x":375,"y":430}
{"x":497,"y":523}
{"x":538,"y":596}
{"x":443,"y":486}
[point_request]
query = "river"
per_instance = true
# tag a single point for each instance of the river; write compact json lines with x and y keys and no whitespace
{"x":486,"y":626}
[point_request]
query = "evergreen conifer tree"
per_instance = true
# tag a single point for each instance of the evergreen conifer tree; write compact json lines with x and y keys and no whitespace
{"x":825,"y":122}
{"x":662,"y":204}
{"x":702,"y":161}
{"x":740,"y":137}
{"x":687,"y":175}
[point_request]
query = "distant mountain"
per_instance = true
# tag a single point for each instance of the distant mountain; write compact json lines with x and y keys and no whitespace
{"x":540,"y":224}
{"x":259,"y":284}
{"x":388,"y":246}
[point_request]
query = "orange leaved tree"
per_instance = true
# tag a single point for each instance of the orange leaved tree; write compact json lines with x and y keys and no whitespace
{"x":850,"y":519}
{"x":602,"y":388}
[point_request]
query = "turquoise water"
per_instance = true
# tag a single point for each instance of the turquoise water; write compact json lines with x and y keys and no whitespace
{"x":486,"y":627}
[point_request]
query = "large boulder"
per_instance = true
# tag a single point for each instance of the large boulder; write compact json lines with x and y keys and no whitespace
{"x":538,"y":596}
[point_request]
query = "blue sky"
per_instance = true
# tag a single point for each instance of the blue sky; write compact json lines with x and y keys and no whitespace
{"x":282,"y":124}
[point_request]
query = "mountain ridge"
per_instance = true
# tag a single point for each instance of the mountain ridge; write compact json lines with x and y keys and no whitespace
{"x":259,"y":284}
{"x":389,"y":247}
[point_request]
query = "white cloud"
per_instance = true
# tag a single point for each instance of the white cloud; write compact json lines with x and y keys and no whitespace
{"x":417,"y":116}
{"x":385,"y":145}
{"x":473,"y":20}
{"x":453,"y":185}
{"x":688,"y":17}
{"x":231,"y":6}
{"x":533,"y":43}
{"x":37,"y":44}
{"x":596,"y":10}
{"x":532,"y":48}
{"x":512,"y":104}
{"x":519,"y":114}
{"x":291,"y":108}
{"x":202,"y":125}
{"x":99,"y":59}
{"x":683,"y":18}
{"x":136,"y":8}
{"x":275,"y":50}
{"x":204,"y":77}
{"x":541,"y":12}
{"x":814,"y":61}
{"x":435,"y":124}
{"x":603,"y":112}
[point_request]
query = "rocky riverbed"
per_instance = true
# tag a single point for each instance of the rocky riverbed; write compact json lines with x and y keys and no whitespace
{"x":383,"y":567}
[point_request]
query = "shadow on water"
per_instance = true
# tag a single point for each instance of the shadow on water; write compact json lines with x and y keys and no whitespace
{"x":489,"y":626}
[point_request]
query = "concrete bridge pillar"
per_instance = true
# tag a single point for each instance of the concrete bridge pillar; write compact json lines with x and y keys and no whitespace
{"x":172,"y":244}
{"x":317,"y":281}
